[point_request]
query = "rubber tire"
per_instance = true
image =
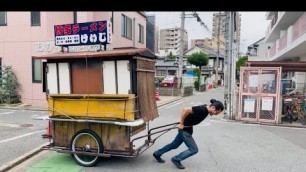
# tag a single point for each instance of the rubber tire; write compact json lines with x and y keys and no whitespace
{"x":100,"y":144}
{"x":303,"y":120}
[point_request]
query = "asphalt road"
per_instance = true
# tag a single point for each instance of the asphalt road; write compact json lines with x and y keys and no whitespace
{"x":19,"y":133}
{"x":224,"y":146}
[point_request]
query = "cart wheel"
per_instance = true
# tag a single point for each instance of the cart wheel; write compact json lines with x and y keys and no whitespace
{"x":88,"y":141}
{"x":303,"y":120}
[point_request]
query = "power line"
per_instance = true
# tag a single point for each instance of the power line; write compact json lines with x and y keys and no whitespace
{"x":196,"y":15}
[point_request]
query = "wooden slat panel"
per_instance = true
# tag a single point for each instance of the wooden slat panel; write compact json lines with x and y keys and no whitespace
{"x":146,"y":90}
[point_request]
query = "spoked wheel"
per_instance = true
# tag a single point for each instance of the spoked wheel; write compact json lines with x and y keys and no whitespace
{"x":86,"y":141}
{"x":303,"y":120}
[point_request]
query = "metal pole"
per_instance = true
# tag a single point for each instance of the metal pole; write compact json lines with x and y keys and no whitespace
{"x":180,"y":70}
{"x":218,"y":47}
{"x":234,"y":57}
{"x":227,"y":69}
{"x":233,"y":70}
{"x":230,"y":65}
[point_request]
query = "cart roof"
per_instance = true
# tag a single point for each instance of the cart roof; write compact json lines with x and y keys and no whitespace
{"x":143,"y":52}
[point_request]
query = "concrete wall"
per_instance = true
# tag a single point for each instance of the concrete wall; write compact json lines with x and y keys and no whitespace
{"x":188,"y":91}
{"x":202,"y":88}
{"x":166,"y":91}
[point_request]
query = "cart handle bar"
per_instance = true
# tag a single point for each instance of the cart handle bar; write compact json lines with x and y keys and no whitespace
{"x":164,"y":131}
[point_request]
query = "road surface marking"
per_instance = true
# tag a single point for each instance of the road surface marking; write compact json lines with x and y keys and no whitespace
{"x":9,"y":125}
{"x":174,"y":104}
{"x":5,"y":113}
{"x":18,"y":137}
{"x":203,"y":125}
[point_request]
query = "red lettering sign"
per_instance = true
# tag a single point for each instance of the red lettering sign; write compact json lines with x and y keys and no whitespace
{"x":93,"y":27}
{"x":67,"y":29}
{"x":59,"y":30}
{"x":102,"y":26}
{"x":75,"y":28}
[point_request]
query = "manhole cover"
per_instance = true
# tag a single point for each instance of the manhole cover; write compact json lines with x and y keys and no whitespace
{"x":26,"y":125}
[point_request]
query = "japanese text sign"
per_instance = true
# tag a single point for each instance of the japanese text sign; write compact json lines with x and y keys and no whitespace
{"x":97,"y":32}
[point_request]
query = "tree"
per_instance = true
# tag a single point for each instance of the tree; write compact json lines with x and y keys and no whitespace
{"x":241,"y":62}
{"x":170,"y":55}
{"x":198,"y":59}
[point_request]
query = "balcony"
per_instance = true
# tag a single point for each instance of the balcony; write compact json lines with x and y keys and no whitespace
{"x":291,"y":44}
{"x":280,"y":21}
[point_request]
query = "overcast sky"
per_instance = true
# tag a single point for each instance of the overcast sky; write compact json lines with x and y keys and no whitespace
{"x":253,"y":25}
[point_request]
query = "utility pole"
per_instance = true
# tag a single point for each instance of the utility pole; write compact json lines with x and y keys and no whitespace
{"x":182,"y":31}
{"x":233,"y":67}
{"x":230,"y":70}
{"x":226,"y":67}
{"x":218,"y":49}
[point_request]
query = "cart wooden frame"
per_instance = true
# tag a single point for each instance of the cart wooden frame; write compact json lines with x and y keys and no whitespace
{"x":98,"y":100}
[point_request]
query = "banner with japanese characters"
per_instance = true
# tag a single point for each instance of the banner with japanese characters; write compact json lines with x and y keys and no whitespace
{"x":89,"y":33}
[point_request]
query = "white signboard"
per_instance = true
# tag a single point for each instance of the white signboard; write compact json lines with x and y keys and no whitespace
{"x":68,"y":40}
{"x":267,"y":103}
{"x":253,"y":81}
{"x":249,"y":105}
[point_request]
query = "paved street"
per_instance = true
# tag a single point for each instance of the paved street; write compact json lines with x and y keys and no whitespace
{"x":19,"y":133}
{"x":223,"y":146}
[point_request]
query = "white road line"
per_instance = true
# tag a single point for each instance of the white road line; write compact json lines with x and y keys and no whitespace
{"x":3,"y":124}
{"x":203,"y":125}
{"x":18,"y":137}
{"x":174,"y":104}
{"x":5,"y":113}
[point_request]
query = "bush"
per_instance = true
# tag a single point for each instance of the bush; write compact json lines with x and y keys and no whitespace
{"x":196,"y":85}
{"x":9,"y":86}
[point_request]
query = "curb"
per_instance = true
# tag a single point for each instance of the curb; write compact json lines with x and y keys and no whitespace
{"x":170,"y":101}
{"x":21,"y":158}
{"x":264,"y":124}
{"x":43,"y":109}
{"x":16,"y":108}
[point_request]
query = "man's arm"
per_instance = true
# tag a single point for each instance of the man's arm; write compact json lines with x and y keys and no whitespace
{"x":186,"y":111}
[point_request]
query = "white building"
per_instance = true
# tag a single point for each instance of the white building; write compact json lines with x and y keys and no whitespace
{"x":170,"y":39}
{"x":256,"y":51}
{"x":286,"y":34}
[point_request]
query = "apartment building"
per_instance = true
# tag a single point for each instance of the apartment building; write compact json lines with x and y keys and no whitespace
{"x":286,"y":34}
{"x":209,"y":42}
{"x":221,"y":16}
{"x":152,"y":34}
{"x":27,"y":34}
{"x":170,"y":39}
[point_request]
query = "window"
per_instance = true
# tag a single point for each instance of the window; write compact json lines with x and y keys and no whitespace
{"x":141,"y":33}
{"x":75,"y":17}
{"x":35,"y":18}
{"x":126,"y":27}
{"x":36,"y":71}
{"x":3,"y":18}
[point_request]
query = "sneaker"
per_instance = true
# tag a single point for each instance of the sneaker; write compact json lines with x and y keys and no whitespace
{"x":177,"y":163}
{"x":158,"y":158}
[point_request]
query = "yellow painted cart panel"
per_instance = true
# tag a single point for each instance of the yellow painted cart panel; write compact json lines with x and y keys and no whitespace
{"x":104,"y":106}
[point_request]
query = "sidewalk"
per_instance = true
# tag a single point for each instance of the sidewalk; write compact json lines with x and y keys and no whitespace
{"x":23,"y":106}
